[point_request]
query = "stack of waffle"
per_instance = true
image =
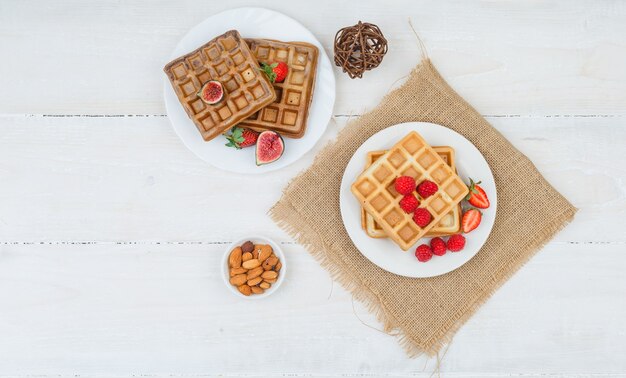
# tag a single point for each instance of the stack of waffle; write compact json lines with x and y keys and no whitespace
{"x":250,"y":99}
{"x":412,"y":156}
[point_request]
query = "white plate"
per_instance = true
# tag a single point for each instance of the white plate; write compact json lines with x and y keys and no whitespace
{"x":385,"y":253}
{"x":253,"y":23}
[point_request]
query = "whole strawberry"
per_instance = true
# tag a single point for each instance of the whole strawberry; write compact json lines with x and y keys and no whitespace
{"x":405,"y":185}
{"x":240,"y":138}
{"x":427,"y":188}
{"x":421,"y":217}
{"x":409,"y":203}
{"x":423,"y":253}
{"x":477,"y":196}
{"x":438,"y":246}
{"x":456,"y":243}
{"x":276,"y":72}
{"x":471,"y":220}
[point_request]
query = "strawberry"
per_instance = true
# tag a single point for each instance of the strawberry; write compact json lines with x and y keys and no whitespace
{"x":423,"y":253}
{"x":427,"y":189}
{"x":276,"y":72}
{"x":240,"y":138}
{"x":477,"y":196}
{"x":456,"y":242}
{"x":421,"y":217}
{"x":405,"y":185}
{"x":471,"y":220}
{"x":438,"y":246}
{"x":409,"y":203}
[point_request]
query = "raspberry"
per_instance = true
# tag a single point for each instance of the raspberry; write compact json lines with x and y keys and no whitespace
{"x":456,"y":242}
{"x":423,"y":253}
{"x":438,"y":246}
{"x":409,"y":203}
{"x":427,"y":188}
{"x":421,"y":217}
{"x":405,"y":185}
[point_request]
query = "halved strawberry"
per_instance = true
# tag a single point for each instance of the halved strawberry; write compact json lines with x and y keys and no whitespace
{"x":471,"y":220}
{"x":477,"y":196}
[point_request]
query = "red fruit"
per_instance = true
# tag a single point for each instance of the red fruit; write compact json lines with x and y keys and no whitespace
{"x":477,"y":196}
{"x":427,"y":189}
{"x":438,"y":246}
{"x":423,"y":253}
{"x":456,"y":242}
{"x":421,"y":217}
{"x":240,"y":138}
{"x":471,"y":220}
{"x":405,"y":185}
{"x":409,"y":203}
{"x":211,"y":92}
{"x":276,"y":72}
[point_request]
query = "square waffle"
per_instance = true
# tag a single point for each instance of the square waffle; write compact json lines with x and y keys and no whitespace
{"x":411,"y":156}
{"x":450,"y":224}
{"x":288,"y":114}
{"x":228,"y":60}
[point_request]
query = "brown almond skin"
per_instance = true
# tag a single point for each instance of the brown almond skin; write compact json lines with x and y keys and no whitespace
{"x":251,"y":264}
{"x":265,"y":285}
{"x":272,"y":260}
{"x":255,"y":254}
{"x":246,"y":256}
{"x":239,"y":279}
{"x":253,"y":273}
{"x":269,"y":275}
{"x":255,"y":281}
{"x":265,"y":252}
{"x":257,"y":290}
{"x":268,"y":280}
{"x":278,"y":266}
{"x":236,"y":271}
{"x":234,"y":260}
{"x":247,"y":246}
{"x":245,"y":290}
{"x":266,"y":265}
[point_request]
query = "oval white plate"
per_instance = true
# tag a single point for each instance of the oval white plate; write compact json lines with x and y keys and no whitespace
{"x":385,"y":253}
{"x":253,"y":23}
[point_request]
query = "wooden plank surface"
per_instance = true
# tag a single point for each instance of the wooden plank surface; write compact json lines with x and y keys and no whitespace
{"x":111,"y":231}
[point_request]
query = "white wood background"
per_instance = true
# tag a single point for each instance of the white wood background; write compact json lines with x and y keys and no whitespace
{"x":111,"y":231}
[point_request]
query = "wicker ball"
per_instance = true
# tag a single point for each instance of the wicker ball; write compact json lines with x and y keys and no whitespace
{"x":359,"y":48}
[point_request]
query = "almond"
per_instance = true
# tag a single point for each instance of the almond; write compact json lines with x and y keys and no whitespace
{"x":236,"y":271}
{"x":247,"y":246}
{"x":255,"y":254}
{"x":278,"y":266}
{"x":269,"y":275}
{"x":267,"y":265}
{"x":251,"y":264}
{"x":246,"y":256}
{"x":244,"y":289}
{"x":239,"y":279}
{"x":265,"y":252}
{"x":270,"y":281}
{"x":265,"y":285}
{"x":253,"y":273}
{"x":257,"y":290}
{"x":255,"y":281}
{"x":272,"y":261}
{"x":234,"y":260}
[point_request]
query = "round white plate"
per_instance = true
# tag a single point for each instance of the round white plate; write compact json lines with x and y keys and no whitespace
{"x":385,"y":253}
{"x":253,"y":23}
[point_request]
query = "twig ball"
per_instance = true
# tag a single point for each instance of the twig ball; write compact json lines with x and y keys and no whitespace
{"x":359,"y":48}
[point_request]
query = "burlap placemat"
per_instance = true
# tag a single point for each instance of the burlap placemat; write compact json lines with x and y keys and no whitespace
{"x":424,"y":313}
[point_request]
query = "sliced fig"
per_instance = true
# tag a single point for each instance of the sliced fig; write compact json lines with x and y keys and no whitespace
{"x":269,"y":147}
{"x":212,"y":92}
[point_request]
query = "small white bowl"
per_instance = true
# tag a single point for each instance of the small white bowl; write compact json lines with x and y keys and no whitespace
{"x":256,"y":240}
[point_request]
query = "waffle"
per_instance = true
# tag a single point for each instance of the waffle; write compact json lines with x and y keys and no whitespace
{"x":228,"y":60}
{"x":411,"y":156}
{"x":450,"y":224}
{"x":288,"y":114}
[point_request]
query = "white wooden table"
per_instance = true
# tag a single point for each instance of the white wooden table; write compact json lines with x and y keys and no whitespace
{"x":111,"y":230}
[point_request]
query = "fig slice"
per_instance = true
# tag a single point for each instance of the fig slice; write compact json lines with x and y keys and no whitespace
{"x":212,"y":92}
{"x":269,"y":147}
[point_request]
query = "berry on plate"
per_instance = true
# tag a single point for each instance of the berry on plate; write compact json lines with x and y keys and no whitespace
{"x":421,"y":217}
{"x":471,"y":220}
{"x":240,"y":138}
{"x":405,"y":185}
{"x":477,"y":196}
{"x":276,"y":72}
{"x":423,"y":253}
{"x":438,"y":246}
{"x":427,"y":188}
{"x":409,"y":203}
{"x":456,"y":243}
